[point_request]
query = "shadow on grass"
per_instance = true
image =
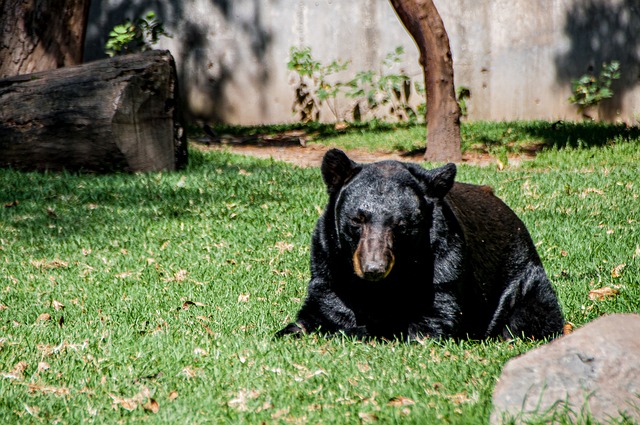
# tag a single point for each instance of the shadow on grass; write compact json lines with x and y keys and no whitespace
{"x":563,"y":134}
{"x":484,"y":136}
{"x":532,"y":136}
{"x":39,"y":206}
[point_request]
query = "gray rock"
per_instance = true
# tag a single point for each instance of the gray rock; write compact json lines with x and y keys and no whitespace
{"x":593,"y":373}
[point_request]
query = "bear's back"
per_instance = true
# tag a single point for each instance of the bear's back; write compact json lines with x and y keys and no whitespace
{"x":497,"y":243}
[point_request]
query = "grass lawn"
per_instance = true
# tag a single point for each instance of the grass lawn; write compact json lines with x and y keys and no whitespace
{"x":153,"y":298}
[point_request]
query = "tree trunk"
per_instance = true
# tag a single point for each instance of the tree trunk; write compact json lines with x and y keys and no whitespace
{"x":422,"y":20}
{"x":113,"y":114}
{"x":41,"y":35}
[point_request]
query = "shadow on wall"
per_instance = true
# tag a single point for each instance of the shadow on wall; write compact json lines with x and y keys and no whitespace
{"x":205,"y":65}
{"x":602,"y":31}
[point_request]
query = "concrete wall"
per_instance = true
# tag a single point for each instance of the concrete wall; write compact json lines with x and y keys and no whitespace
{"x":517,"y":56}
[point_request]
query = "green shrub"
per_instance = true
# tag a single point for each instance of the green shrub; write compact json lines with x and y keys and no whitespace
{"x":376,"y":94}
{"x":589,"y":90}
{"x":382,"y":94}
{"x":313,"y":86}
{"x":139,"y":35}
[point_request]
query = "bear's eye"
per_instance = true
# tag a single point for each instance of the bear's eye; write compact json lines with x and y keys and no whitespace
{"x":357,"y":220}
{"x":403,"y":226}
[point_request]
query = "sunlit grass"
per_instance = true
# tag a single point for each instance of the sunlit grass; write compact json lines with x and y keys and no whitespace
{"x":154,"y":297}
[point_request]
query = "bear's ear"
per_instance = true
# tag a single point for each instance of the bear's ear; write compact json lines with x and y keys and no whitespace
{"x":436,"y":182}
{"x":336,"y":169}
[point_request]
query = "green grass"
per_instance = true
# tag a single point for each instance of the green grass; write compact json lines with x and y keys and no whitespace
{"x":173,"y":285}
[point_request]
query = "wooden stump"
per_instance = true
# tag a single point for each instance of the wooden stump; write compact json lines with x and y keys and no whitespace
{"x":118,"y":114}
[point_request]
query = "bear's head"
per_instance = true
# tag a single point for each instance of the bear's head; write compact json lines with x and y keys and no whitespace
{"x":382,"y":211}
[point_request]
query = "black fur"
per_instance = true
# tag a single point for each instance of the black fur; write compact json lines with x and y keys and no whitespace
{"x":404,"y":252}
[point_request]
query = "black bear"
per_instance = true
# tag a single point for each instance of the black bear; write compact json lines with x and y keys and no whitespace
{"x":405,"y":252}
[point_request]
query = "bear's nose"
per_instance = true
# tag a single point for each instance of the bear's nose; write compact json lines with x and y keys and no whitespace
{"x":373,"y":258}
{"x":374,"y":270}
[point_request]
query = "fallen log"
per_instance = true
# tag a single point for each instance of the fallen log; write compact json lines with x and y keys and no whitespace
{"x":118,"y":114}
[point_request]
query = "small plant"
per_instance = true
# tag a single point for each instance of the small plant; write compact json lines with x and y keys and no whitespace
{"x":313,"y":86}
{"x":376,"y":91}
{"x":138,"y":36}
{"x":589,"y":90}
{"x":377,"y":94}
{"x":462,"y":94}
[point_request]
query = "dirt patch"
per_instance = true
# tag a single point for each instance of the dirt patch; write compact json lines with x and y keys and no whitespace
{"x":311,"y":154}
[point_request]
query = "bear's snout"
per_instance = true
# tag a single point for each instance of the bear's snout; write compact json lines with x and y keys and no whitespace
{"x":373,"y":258}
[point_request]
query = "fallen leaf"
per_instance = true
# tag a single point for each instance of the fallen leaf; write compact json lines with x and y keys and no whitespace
{"x":567,"y":328}
{"x":189,"y":372}
{"x":151,"y":406}
{"x":11,"y":204}
{"x":399,"y":401}
{"x":266,"y":405}
{"x":46,"y":389}
{"x":363,"y":367}
{"x":44,"y":264}
{"x":187,"y":304}
{"x":131,"y":403}
{"x":42,"y":366}
{"x":43,"y":317}
{"x":239,"y":402}
{"x":243,"y":298}
{"x":459,"y":398}
{"x":173,"y":395}
{"x":282,"y":246}
{"x":126,"y":403}
{"x":309,"y":375}
{"x":17,"y":372}
{"x":591,"y":190}
{"x":368,"y":417}
{"x":280,"y":413}
{"x":180,"y":275}
{"x":57,"y":305}
{"x":617,"y":270}
{"x":602,"y":293}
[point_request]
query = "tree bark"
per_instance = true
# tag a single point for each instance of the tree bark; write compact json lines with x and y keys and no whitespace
{"x":41,"y":35}
{"x":114,"y":114}
{"x":423,"y":22}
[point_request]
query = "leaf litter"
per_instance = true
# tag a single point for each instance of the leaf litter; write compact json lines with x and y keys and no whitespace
{"x":142,"y":398}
